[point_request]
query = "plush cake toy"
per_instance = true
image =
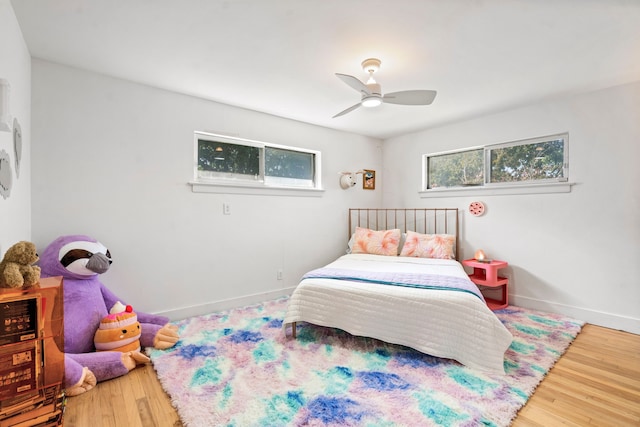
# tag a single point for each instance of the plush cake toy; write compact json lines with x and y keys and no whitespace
{"x":80,"y":260}
{"x":118,"y":331}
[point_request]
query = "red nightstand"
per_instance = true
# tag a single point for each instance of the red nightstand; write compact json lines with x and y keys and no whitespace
{"x":486,"y":274}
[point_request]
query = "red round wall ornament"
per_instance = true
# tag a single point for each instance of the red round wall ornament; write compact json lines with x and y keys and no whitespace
{"x":476,"y":208}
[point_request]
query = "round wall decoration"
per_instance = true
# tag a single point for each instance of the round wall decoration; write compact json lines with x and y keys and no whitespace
{"x":476,"y":208}
{"x":5,"y":174}
{"x":17,"y":144}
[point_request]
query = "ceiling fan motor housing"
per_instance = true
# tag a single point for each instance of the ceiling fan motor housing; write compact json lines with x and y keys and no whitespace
{"x":374,"y":98}
{"x":374,"y":88}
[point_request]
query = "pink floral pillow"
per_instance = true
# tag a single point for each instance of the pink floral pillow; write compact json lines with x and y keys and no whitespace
{"x":429,"y":245}
{"x":384,"y":242}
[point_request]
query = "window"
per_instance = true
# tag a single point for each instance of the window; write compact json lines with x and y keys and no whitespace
{"x":528,"y":161}
{"x":217,"y":159}
{"x":241,"y":162}
{"x":461,"y":168}
{"x":531,"y":160}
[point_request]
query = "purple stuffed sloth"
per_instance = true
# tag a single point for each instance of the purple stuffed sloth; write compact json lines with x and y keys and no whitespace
{"x":80,"y":260}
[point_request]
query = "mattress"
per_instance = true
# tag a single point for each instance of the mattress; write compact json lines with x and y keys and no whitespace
{"x":442,"y":323}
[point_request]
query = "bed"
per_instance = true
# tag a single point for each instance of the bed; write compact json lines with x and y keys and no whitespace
{"x":418,"y":297}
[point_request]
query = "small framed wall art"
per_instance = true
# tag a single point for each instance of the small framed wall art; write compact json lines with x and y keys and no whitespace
{"x":369,"y":179}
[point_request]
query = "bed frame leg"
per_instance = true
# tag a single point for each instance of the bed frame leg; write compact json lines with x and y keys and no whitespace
{"x":293,"y":330}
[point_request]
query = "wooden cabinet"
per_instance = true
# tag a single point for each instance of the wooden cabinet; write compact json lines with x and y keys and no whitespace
{"x":485,"y":274}
{"x":31,"y":356}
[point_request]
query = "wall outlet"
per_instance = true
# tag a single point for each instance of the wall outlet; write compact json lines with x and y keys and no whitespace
{"x":279,"y":274}
{"x":226,"y":209}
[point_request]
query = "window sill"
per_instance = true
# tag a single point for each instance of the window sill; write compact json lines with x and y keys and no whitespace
{"x":261,"y":190}
{"x":499,"y":190}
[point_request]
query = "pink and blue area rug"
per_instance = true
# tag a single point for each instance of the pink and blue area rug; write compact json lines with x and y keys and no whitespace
{"x":236,"y":368}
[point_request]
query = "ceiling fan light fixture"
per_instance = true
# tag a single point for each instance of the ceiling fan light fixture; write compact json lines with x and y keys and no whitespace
{"x":371,"y":101}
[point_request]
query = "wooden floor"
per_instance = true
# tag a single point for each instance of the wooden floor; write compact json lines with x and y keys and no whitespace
{"x":595,"y":383}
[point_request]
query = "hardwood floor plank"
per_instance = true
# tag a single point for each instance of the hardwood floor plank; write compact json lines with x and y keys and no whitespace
{"x":547,"y":412}
{"x":602,"y":408}
{"x":612,"y":363}
{"x":158,"y":400}
{"x":145,"y":414}
{"x":586,"y":381}
{"x":125,"y":413}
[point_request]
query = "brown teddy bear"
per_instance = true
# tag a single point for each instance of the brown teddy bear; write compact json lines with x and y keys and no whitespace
{"x":16,"y":270}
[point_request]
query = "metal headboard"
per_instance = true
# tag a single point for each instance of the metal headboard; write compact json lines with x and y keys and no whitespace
{"x":420,"y":220}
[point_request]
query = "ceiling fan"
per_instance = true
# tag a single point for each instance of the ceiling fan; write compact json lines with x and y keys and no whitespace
{"x":372,"y":93}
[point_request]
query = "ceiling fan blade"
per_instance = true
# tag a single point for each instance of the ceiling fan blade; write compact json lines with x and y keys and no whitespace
{"x":354,"y":83}
{"x":410,"y":97}
{"x":348,"y":110}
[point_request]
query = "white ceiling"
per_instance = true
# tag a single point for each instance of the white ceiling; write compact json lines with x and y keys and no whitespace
{"x":280,"y":56}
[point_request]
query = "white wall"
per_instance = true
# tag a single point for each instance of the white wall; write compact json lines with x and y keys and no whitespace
{"x":112,"y":159}
{"x":15,"y":66}
{"x":577,"y":253}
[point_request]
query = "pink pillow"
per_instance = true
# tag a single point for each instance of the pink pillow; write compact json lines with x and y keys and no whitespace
{"x":383,"y":242}
{"x":429,"y":245}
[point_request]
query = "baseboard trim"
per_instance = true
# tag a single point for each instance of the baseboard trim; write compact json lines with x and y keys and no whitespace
{"x":213,"y":306}
{"x":600,"y":318}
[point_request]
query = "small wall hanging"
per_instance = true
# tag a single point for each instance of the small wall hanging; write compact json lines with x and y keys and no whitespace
{"x":6,"y":180}
{"x":476,"y":208}
{"x":5,"y":114}
{"x":17,"y":144}
{"x":347,"y":180}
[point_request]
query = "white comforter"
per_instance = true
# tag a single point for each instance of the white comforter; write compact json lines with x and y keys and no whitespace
{"x":442,"y":323}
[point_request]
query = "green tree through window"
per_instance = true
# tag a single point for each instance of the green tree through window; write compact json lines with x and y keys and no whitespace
{"x":456,"y":169}
{"x":531,"y":160}
{"x":288,"y":164}
{"x":216,"y":156}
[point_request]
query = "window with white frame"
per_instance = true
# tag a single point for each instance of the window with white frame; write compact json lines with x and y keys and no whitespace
{"x":228,"y":160}
{"x":536,"y":160}
{"x":455,"y":169}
